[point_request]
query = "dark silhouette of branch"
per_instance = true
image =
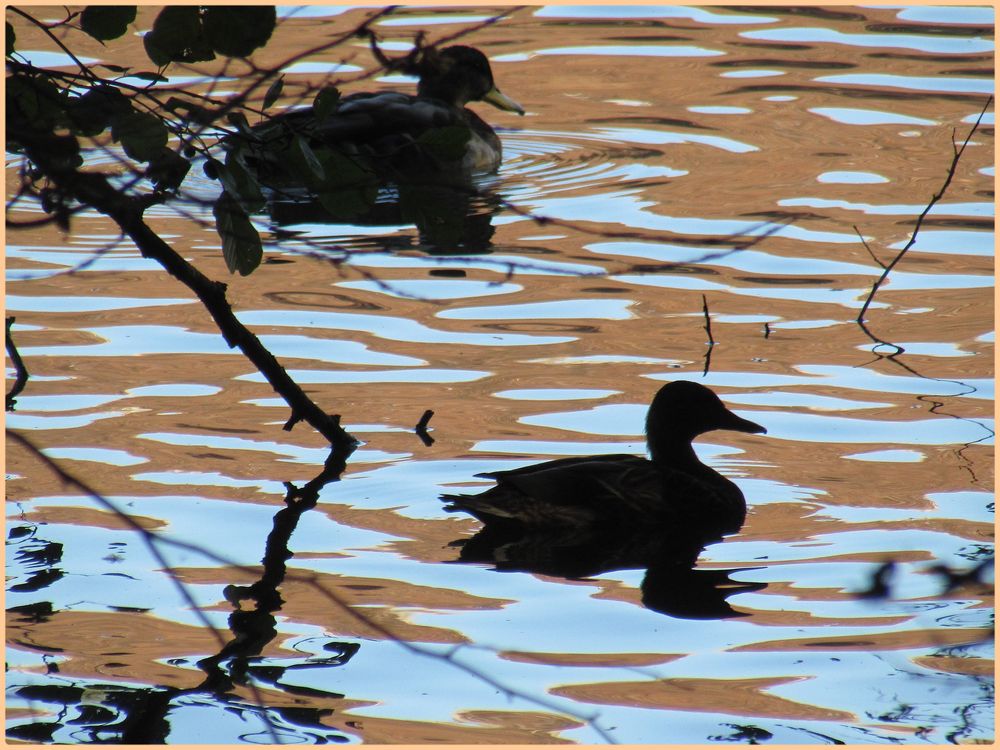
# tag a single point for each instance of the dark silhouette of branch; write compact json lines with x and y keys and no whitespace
{"x":297,"y":501}
{"x":711,"y":340}
{"x":923,"y":214}
{"x":87,"y":72}
{"x":21,"y":378}
{"x":94,"y":190}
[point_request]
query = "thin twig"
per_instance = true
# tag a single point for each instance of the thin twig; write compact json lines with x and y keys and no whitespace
{"x":83,"y":68}
{"x":865,"y":243}
{"x":923,"y":215}
{"x":708,"y":320}
{"x":21,"y":378}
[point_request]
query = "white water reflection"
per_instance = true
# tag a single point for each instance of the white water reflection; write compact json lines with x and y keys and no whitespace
{"x":923,"y":43}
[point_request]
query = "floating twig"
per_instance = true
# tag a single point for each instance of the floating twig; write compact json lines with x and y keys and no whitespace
{"x":708,"y":361}
{"x":708,"y":320}
{"x":923,"y":215}
{"x":421,"y":428}
{"x":767,"y":330}
{"x":21,"y":378}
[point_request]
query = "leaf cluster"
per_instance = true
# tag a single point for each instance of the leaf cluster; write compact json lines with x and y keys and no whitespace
{"x":64,"y":108}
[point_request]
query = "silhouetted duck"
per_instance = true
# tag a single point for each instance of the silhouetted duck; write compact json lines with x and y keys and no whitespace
{"x":674,"y":489}
{"x":394,"y":134}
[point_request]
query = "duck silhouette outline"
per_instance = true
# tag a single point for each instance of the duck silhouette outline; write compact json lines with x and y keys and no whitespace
{"x":582,"y":516}
{"x":387,"y":135}
{"x":672,"y":487}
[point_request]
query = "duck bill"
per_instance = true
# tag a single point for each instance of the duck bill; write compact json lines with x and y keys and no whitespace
{"x":501,"y":101}
{"x":739,"y":424}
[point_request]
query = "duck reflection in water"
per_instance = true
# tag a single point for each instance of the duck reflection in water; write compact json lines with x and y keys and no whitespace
{"x":336,"y":160}
{"x":581,"y":516}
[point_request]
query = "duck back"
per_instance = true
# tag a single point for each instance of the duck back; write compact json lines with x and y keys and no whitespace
{"x":392,"y":135}
{"x":615,"y":490}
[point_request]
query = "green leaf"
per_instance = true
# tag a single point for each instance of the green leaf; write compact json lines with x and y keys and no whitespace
{"x":11,"y":38}
{"x":446,"y":143}
{"x":305,"y":162}
{"x":325,"y":102}
{"x":241,"y":245}
{"x":273,"y":92}
{"x":236,"y":31}
{"x":177,"y":36}
{"x":34,"y":101}
{"x":91,"y":113}
{"x":241,"y":184}
{"x":168,"y":169}
{"x":342,"y":171}
{"x":104,"y":22}
{"x":141,"y":134}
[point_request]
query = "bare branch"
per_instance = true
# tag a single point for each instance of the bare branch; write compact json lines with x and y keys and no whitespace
{"x":298,"y":501}
{"x":923,"y":215}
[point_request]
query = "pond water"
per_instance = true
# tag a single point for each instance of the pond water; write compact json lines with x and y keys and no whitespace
{"x":671,"y":159}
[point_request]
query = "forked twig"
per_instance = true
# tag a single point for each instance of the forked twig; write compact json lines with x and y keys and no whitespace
{"x":923,"y":215}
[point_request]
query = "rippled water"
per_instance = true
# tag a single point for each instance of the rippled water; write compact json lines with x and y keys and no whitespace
{"x":656,"y":140}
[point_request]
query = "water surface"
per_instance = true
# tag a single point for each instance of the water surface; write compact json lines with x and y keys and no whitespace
{"x":681,"y":157}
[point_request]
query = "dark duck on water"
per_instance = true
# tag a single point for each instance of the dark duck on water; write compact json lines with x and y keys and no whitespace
{"x":673,"y":490}
{"x":388,"y":134}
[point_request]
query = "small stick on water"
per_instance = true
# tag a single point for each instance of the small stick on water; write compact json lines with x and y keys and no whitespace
{"x":708,"y":321}
{"x":21,"y":378}
{"x":918,"y":224}
{"x":767,"y":330}
{"x":421,"y":428}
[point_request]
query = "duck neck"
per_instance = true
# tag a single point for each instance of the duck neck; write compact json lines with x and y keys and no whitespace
{"x":675,"y":453}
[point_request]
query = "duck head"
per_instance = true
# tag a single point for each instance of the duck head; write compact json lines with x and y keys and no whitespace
{"x":459,"y":75}
{"x":681,"y":411}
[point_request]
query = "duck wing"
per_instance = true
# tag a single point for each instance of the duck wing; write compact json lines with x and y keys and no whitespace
{"x":390,"y":129}
{"x":576,"y":491}
{"x":365,"y":116}
{"x":608,"y":491}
